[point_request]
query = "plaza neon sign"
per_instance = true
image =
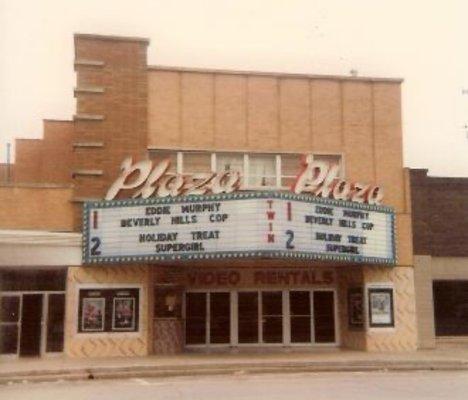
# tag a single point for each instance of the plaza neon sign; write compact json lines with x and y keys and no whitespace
{"x":317,"y":178}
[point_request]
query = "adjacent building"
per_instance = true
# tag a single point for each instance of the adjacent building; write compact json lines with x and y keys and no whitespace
{"x":440,"y":240}
{"x":189,"y":210}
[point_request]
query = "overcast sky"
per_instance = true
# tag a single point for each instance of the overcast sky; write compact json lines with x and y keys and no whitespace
{"x":424,"y":42}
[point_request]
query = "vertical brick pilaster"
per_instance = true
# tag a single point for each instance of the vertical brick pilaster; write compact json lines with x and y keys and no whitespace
{"x":112,"y":97}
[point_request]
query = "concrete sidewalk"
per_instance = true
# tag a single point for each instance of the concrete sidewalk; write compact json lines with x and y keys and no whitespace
{"x":46,"y":369}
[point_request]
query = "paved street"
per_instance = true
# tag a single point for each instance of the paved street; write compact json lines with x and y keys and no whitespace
{"x":356,"y":386}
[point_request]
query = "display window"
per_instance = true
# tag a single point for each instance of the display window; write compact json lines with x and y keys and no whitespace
{"x":381,"y":310}
{"x":451,"y":308}
{"x":92,"y":314}
{"x":108,"y":310}
{"x":356,"y":307}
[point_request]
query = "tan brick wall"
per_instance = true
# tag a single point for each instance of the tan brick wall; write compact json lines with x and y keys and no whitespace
{"x":41,"y":208}
{"x":222,"y":111}
{"x":28,"y":162}
{"x":46,"y":160}
{"x":57,"y":152}
{"x":7,"y":173}
{"x":122,"y":105}
{"x":425,"y":301}
{"x":107,"y":344}
{"x":404,"y":337}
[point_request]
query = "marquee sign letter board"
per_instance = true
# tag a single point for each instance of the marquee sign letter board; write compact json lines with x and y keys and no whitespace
{"x":251,"y":224}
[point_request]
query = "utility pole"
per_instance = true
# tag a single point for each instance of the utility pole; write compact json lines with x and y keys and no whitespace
{"x":8,"y":177}
{"x":465,"y":127}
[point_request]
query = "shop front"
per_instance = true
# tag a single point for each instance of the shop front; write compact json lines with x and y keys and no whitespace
{"x":245,"y":307}
{"x":259,"y":317}
{"x":231,"y":270}
{"x":32,"y":307}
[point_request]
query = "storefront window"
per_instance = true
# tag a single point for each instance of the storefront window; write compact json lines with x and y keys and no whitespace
{"x":8,"y":339}
{"x":25,"y":280}
{"x":9,"y":324}
{"x":9,"y":309}
{"x":451,"y":308}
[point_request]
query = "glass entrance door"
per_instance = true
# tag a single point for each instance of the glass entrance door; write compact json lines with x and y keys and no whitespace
{"x":300,"y":316}
{"x":195,"y":322}
{"x":260,"y":317}
{"x":208,"y":318}
{"x":220,"y":318}
{"x":247,"y":317}
{"x":272,"y":317}
{"x":324,"y":316}
{"x":55,"y":322}
{"x":31,"y":325}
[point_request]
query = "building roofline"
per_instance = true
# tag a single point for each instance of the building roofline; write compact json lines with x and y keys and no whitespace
{"x":56,"y":120}
{"x":36,"y":185}
{"x":273,"y":74}
{"x":421,"y":175}
{"x":111,"y":38}
{"x":17,"y":139}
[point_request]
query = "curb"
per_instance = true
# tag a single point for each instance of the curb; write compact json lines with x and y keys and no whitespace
{"x":149,"y":371}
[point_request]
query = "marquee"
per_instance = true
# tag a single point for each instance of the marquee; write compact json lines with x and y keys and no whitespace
{"x":237,"y":225}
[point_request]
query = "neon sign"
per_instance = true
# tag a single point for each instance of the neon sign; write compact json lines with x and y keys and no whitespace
{"x":317,"y":178}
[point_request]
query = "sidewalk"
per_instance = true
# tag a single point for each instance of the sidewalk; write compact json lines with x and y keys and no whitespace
{"x":47,"y":369}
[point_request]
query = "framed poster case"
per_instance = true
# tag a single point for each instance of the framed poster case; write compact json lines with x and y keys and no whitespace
{"x":356,"y":307}
{"x":381,"y":310}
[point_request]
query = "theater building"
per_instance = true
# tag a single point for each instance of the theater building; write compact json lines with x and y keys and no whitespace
{"x":440,"y":240}
{"x":206,"y":210}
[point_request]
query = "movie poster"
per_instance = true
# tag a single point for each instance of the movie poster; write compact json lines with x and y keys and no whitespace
{"x":355,"y":308}
{"x":381,"y":307}
{"x":93,"y":311}
{"x":123,"y":318}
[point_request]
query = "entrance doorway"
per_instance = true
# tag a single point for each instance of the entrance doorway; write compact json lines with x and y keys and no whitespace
{"x":260,"y":317}
{"x":208,"y":318}
{"x":31,"y":317}
{"x":31,"y":323}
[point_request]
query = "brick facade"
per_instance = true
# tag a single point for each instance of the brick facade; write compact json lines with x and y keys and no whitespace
{"x":440,"y":215}
{"x":127,"y":108}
